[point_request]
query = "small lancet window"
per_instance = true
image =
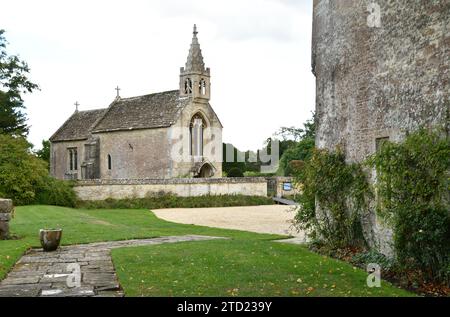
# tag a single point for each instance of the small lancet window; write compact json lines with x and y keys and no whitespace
{"x":109,"y":162}
{"x":188,"y":86}
{"x":202,"y":87}
{"x":73,"y":159}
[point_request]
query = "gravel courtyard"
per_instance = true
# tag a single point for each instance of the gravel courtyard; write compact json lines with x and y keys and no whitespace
{"x":275,"y":219}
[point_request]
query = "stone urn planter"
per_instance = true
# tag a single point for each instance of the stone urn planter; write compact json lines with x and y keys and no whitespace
{"x":50,"y":239}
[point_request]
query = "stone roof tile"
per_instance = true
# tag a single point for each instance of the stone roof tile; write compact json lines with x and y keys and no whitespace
{"x":78,"y":126}
{"x":144,"y":112}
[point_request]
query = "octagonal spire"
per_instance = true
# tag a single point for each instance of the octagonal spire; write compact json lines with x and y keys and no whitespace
{"x":194,"y":61}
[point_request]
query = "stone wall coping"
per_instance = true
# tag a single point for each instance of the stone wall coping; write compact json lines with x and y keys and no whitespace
{"x":283,"y":178}
{"x":148,"y":181}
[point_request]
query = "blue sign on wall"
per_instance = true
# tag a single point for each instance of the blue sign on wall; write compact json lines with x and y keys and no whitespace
{"x":287,"y":186}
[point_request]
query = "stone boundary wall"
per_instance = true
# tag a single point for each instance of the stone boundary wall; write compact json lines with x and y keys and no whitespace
{"x":276,"y":186}
{"x":101,"y":189}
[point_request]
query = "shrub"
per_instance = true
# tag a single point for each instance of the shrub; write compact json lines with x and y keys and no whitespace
{"x":172,"y":201}
{"x":258,"y":174}
{"x":413,"y":196}
{"x":56,"y":192}
{"x":235,"y":172}
{"x":340,"y":192}
{"x":372,"y":256}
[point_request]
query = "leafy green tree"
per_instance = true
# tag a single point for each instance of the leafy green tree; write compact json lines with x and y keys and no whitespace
{"x":24,"y":177}
{"x":289,"y":133}
{"x":44,"y":153}
{"x":309,"y":127}
{"x":252,"y":162}
{"x":294,"y":144}
{"x":235,"y":172}
{"x":20,"y":171}
{"x":227,"y":166}
{"x":283,"y":145}
{"x":298,"y":134}
{"x":13,"y":84}
{"x":301,"y":150}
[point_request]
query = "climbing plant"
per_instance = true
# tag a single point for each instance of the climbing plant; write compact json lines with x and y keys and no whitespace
{"x":413,"y":196}
{"x":340,"y":191}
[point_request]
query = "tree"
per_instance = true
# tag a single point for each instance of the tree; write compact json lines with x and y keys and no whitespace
{"x":21,"y":172}
{"x":24,"y":177}
{"x":309,"y":127}
{"x":293,"y":144}
{"x":289,"y":133}
{"x":227,"y":166}
{"x":301,"y":150}
{"x":13,"y":84}
{"x":44,"y":153}
{"x":298,"y":134}
{"x":235,"y":172}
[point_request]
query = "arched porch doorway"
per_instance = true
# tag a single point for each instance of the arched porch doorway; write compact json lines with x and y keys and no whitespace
{"x":206,"y":171}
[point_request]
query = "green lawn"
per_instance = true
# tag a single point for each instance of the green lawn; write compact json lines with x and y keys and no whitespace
{"x":248,"y":264}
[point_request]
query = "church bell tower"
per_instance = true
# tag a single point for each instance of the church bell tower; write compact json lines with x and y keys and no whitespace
{"x":194,"y":77}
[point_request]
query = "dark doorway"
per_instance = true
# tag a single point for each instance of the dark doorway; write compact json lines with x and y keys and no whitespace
{"x":206,"y":171}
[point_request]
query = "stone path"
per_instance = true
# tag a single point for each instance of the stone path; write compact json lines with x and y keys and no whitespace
{"x":46,"y":274}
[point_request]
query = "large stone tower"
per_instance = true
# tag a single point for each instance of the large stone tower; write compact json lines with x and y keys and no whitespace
{"x":382,"y":70}
{"x":194,"y":77}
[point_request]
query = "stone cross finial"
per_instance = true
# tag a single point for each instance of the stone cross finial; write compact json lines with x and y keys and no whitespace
{"x":195,"y":30}
{"x":76,"y":105}
{"x":118,"y":89}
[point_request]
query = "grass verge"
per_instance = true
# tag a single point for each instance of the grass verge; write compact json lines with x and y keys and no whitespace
{"x":246,"y":264}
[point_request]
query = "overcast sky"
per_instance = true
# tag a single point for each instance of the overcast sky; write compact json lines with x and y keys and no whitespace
{"x":258,"y":52}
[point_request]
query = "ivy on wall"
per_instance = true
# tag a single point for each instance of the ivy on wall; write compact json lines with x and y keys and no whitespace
{"x":333,"y":186}
{"x":413,"y":196}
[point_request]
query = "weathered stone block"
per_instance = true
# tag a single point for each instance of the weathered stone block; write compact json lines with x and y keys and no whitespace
{"x":6,"y":206}
{"x":5,"y":217}
{"x":4,"y":230}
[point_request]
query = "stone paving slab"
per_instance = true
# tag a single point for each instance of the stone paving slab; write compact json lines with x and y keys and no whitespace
{"x":46,"y":274}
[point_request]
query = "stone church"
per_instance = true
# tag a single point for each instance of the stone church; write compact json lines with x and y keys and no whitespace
{"x":171,"y":134}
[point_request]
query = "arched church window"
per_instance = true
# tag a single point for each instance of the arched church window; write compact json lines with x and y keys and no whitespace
{"x":196,"y":131}
{"x":109,"y":162}
{"x":202,"y":87}
{"x":188,"y":86}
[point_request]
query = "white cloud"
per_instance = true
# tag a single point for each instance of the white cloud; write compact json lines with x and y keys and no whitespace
{"x":258,"y":52}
